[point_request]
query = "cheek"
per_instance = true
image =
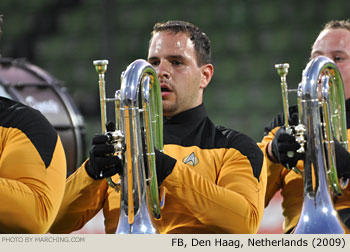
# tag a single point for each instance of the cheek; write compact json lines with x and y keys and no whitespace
{"x":345,"y":74}
{"x":187,"y":81}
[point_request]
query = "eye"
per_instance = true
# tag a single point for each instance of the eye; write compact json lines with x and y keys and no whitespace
{"x":154,"y":62}
{"x":176,"y":62}
{"x":338,"y":58}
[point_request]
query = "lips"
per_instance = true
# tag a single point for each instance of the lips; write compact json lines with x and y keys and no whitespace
{"x":166,"y":90}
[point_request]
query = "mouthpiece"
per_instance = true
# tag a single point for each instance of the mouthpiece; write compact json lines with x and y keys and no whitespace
{"x":100,"y":66}
{"x":282,"y":69}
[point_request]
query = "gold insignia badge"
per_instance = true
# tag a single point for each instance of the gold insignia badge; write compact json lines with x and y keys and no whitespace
{"x":191,"y":159}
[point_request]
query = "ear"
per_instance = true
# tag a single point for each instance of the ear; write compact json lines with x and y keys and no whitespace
{"x":207,"y":72}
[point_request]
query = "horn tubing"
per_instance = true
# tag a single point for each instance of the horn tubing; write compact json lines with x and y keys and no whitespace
{"x":101,"y":68}
{"x":141,"y":115}
{"x":139,"y":124}
{"x":282,"y":70}
{"x":319,"y":100}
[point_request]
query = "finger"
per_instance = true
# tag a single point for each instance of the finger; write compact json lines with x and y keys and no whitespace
{"x":107,"y":162}
{"x":101,"y":150}
{"x":294,"y":119}
{"x":110,"y":126}
{"x":99,"y":139}
{"x":285,"y":137}
{"x":109,"y":172}
{"x":111,"y":165}
{"x":285,"y":147}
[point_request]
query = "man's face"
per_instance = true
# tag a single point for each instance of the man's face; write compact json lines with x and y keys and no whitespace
{"x":182,"y":81}
{"x":335,"y":44}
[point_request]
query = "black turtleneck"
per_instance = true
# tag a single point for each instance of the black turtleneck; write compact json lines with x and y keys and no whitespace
{"x":186,"y":128}
{"x":194,"y":128}
{"x":347,"y":108}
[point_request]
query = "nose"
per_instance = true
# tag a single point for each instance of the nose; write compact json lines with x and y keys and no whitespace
{"x":163,"y":70}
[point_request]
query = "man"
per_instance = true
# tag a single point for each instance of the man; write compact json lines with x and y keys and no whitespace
{"x":214,"y":181}
{"x":32,"y":169}
{"x":334,"y":43}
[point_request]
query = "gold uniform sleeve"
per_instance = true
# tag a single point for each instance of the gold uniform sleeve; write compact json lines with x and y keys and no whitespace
{"x":30,"y":192}
{"x":82,"y":200}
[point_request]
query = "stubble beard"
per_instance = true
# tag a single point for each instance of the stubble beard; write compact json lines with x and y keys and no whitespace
{"x":170,"y":109}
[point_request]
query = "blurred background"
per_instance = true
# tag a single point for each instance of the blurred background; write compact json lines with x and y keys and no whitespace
{"x":248,"y":38}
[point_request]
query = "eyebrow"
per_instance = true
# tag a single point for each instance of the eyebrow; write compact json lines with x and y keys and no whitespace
{"x":172,"y":57}
{"x":336,"y":51}
{"x":318,"y":52}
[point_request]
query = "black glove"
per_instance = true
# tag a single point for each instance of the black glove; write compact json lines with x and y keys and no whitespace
{"x":284,"y":143}
{"x":164,"y":165}
{"x":342,"y":158}
{"x":294,"y":119}
{"x":102,"y":162}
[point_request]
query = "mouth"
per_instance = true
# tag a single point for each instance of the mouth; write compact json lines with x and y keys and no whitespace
{"x":165,"y":90}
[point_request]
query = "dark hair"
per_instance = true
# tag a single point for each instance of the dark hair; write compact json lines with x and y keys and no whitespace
{"x":334,"y":24}
{"x":0,"y":25}
{"x":337,"y":24}
{"x":200,"y":39}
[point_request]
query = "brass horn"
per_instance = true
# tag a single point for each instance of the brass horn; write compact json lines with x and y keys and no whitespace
{"x":321,"y":108}
{"x":139,"y":129}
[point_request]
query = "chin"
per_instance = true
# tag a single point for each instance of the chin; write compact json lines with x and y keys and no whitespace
{"x":169,"y":112}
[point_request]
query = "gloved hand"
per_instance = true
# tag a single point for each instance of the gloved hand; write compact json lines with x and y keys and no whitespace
{"x":294,"y":119}
{"x":342,"y":158}
{"x":102,"y":163}
{"x":164,"y":165}
{"x":283,"y":145}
